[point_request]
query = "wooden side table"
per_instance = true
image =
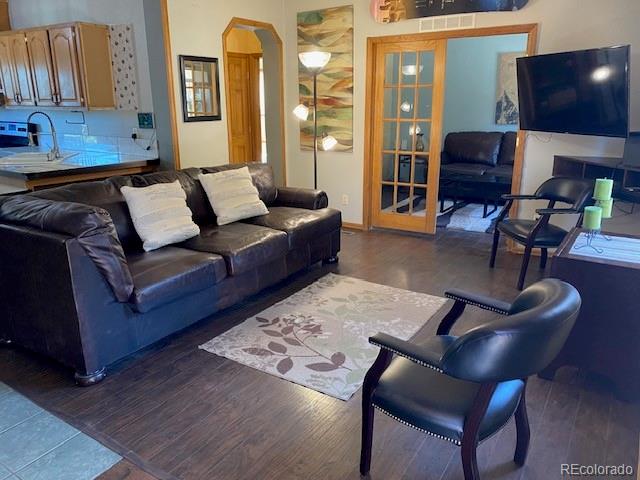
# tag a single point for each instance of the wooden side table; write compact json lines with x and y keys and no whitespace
{"x":606,"y":337}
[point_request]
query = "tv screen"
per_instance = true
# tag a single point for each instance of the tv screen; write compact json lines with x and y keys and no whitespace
{"x":584,"y":92}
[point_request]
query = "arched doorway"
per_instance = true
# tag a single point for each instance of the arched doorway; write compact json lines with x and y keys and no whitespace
{"x":254,"y":86}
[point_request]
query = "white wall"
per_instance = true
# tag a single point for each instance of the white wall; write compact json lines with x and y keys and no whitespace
{"x":196,"y":28}
{"x":472,"y":82}
{"x":34,"y":13}
{"x":564,"y":25}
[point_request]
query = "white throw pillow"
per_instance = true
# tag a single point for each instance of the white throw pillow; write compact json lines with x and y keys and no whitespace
{"x":160,"y":214}
{"x":232,"y":195}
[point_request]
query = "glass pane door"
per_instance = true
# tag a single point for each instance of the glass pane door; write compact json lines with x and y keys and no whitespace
{"x":408,"y":126}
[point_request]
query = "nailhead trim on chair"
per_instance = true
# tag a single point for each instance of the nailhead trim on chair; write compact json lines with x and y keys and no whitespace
{"x":475,"y":304}
{"x":455,"y":442}
{"x":408,"y":357}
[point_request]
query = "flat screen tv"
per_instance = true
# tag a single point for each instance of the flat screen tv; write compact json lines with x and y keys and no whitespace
{"x":584,"y":92}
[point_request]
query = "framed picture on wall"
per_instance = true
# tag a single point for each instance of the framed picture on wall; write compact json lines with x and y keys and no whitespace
{"x":200,"y":78}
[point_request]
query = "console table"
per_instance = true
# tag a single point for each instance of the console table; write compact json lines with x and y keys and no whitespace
{"x":606,"y":335}
{"x":626,"y":179}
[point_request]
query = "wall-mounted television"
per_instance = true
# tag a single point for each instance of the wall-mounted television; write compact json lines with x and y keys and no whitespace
{"x":584,"y":92}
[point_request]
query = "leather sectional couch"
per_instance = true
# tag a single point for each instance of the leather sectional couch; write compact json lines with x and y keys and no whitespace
{"x":76,"y":285}
{"x":477,"y":166}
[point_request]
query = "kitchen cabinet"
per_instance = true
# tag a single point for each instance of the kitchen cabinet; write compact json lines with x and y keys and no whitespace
{"x":23,"y":84}
{"x":58,"y":66}
{"x":41,"y":67}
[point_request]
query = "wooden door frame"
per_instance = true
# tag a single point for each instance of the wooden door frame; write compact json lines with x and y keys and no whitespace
{"x":245,"y":22}
{"x":171,"y":91}
{"x":531,"y":29}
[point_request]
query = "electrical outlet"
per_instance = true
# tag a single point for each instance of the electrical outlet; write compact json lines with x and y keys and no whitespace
{"x":345,"y":199}
{"x":134,"y":133}
{"x":85,"y":129}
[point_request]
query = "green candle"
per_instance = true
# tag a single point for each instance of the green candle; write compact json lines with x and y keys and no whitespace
{"x":607,"y":207}
{"x":592,"y":218}
{"x":604,"y":189}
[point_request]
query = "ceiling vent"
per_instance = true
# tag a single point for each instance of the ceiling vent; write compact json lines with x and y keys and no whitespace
{"x":448,"y":22}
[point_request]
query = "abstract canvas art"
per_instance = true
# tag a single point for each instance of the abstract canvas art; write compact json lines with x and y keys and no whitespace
{"x":389,"y":11}
{"x":507,"y":89}
{"x":328,"y":30}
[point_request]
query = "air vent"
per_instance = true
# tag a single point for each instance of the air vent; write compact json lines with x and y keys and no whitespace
{"x":448,"y":22}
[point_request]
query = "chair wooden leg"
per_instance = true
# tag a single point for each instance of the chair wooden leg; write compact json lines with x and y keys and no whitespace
{"x":470,"y":461}
{"x":543,"y":258}
{"x":370,"y":381}
{"x":367,"y":437}
{"x":471,"y":430}
{"x":494,"y":248}
{"x":525,"y":265}
{"x":523,"y":432}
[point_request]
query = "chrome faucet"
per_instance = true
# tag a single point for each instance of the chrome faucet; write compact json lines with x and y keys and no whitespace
{"x":55,"y":151}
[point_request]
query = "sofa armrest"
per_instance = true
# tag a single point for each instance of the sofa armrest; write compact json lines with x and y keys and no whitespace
{"x":91,"y":226}
{"x":301,"y":198}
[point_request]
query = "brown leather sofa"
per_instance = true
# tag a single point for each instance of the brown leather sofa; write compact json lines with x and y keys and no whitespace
{"x":76,"y":285}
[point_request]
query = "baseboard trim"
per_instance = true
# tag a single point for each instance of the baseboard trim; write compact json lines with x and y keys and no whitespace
{"x":353,"y":226}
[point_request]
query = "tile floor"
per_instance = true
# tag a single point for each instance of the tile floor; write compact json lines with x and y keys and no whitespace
{"x":35,"y":445}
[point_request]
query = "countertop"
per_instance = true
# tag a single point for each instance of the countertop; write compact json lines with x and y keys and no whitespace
{"x":82,"y":161}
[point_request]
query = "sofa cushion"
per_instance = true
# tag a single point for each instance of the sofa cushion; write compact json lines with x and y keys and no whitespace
{"x":300,"y":225}
{"x":473,"y":147}
{"x":232,"y":195}
{"x":103,"y":194}
{"x":501,"y":171}
{"x":464,"y":168}
{"x":508,"y":148}
{"x":243,"y":246}
{"x":261,"y":174}
{"x":169,"y":273}
{"x":548,"y":236}
{"x":196,"y":198}
{"x":160,"y":214}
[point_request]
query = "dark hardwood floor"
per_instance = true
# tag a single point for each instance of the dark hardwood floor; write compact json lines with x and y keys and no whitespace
{"x":174,"y":411}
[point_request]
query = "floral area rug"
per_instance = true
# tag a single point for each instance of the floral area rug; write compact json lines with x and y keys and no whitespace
{"x":318,"y":337}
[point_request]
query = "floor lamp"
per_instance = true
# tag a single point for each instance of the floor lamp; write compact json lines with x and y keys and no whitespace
{"x":315,"y":62}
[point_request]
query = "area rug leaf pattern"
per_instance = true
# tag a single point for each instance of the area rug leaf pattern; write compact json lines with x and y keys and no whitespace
{"x":318,"y":337}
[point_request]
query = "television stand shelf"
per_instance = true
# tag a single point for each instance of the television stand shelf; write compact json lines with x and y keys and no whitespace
{"x":626,"y":179}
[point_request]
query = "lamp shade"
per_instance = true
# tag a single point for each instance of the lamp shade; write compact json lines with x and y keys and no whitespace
{"x":314,"y":60}
{"x":301,"y":111}
{"x":328,"y":142}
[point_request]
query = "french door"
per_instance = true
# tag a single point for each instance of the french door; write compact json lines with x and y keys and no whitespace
{"x":407,"y":134}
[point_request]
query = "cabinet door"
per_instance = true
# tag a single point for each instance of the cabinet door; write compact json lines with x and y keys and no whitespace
{"x":42,"y":67}
{"x":23,"y":85}
{"x":65,"y":65}
{"x":7,"y":71}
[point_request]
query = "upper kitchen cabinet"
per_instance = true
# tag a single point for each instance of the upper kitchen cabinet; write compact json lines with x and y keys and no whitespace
{"x":69,"y":66}
{"x":16,"y":70}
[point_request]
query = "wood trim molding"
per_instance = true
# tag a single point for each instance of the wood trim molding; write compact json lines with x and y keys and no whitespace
{"x":245,"y":22}
{"x":353,"y":226}
{"x":171,"y":92}
{"x":373,"y":42}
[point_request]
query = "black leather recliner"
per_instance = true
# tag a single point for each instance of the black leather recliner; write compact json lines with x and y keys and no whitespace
{"x":464,"y":389}
{"x":76,"y":286}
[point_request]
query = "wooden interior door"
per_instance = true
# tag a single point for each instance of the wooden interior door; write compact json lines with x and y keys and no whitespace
{"x":66,"y":67}
{"x":22,"y":65}
{"x":407,"y":134}
{"x":244,"y":109}
{"x":42,"y":67}
{"x":7,"y":70}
